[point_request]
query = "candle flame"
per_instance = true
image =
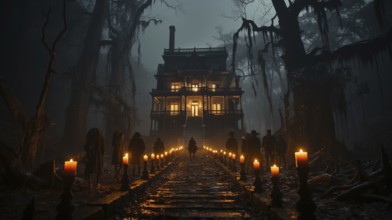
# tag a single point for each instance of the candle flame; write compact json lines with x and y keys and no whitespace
{"x":70,"y":160}
{"x":256,"y":161}
{"x":300,"y":150}
{"x":126,"y":155}
{"x":274,"y":165}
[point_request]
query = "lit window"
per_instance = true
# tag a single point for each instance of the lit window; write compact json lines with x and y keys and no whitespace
{"x":216,"y":108}
{"x":175,"y":87}
{"x":195,"y":87}
{"x":213,"y":87}
{"x":174,"y":109}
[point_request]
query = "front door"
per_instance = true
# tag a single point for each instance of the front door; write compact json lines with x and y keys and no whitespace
{"x":195,"y":109}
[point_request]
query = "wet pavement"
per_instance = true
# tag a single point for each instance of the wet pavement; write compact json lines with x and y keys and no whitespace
{"x":197,"y":189}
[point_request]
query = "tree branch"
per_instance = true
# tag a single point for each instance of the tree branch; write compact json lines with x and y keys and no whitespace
{"x":300,"y":5}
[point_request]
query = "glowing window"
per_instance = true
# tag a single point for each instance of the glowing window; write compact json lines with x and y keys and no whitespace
{"x":216,"y":108}
{"x":195,"y":87}
{"x":213,"y":87}
{"x":175,"y":87}
{"x":174,"y":109}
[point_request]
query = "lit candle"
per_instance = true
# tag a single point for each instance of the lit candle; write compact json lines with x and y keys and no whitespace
{"x":145,"y":158}
{"x":233,"y":156}
{"x":242,"y":159}
{"x":229,"y":154}
{"x":70,"y":167}
{"x":274,"y":171}
{"x":165,"y":153}
{"x":125,"y":159}
{"x":152,"y":156}
{"x":256,"y":165}
{"x":224,"y":153}
{"x":162,"y":155}
{"x":301,"y":158}
{"x":157,"y":157}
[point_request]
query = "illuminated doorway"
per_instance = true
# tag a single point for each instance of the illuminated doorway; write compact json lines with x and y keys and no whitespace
{"x":195,"y":109}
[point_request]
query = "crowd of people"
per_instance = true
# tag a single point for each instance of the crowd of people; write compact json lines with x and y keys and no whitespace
{"x":94,"y":154}
{"x":270,"y":149}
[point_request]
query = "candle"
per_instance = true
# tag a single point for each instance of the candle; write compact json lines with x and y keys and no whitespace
{"x":256,"y":164}
{"x":125,"y":159}
{"x":233,"y":156}
{"x":162,"y":156}
{"x":70,"y":167}
{"x":242,"y":159}
{"x":274,"y":171}
{"x":301,"y":158}
{"x":229,"y":154}
{"x":157,"y":157}
{"x":165,"y":153}
{"x":152,"y":156}
{"x":145,"y":158}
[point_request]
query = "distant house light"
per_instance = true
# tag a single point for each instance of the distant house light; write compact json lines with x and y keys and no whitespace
{"x":175,"y":87}
{"x":195,"y":87}
{"x":213,"y":87}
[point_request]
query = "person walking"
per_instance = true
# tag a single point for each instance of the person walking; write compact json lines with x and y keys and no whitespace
{"x":159,"y":147}
{"x":269,"y":147}
{"x":232,"y":144}
{"x":192,"y":148}
{"x":118,"y":143}
{"x":254,"y":146}
{"x":245,"y":150}
{"x":136,"y":148}
{"x":94,"y":147}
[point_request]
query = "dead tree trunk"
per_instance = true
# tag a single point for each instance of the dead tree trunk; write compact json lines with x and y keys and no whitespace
{"x":123,"y":36}
{"x":82,"y":79}
{"x":33,"y":128}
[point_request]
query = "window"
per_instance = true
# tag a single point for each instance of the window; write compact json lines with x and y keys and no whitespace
{"x":213,"y":87}
{"x":175,"y":87}
{"x":216,"y":108}
{"x":174,"y":109}
{"x":195,"y":87}
{"x":195,"y":109}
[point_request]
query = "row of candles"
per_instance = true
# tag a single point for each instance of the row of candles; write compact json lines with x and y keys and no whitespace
{"x":305,"y":205}
{"x":301,"y":159}
{"x":71,"y":165}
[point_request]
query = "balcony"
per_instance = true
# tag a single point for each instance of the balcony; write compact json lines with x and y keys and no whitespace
{"x":232,"y":113}
{"x":196,"y":91}
{"x":167,"y":113}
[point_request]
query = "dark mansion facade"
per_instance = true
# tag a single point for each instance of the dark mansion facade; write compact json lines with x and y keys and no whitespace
{"x":195,"y":96}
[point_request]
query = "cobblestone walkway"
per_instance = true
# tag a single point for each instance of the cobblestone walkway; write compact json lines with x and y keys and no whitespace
{"x":197,"y":189}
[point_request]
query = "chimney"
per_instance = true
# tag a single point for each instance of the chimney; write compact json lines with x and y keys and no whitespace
{"x":171,"y":38}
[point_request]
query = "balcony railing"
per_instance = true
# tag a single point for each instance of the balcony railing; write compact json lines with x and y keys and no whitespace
{"x":178,"y":113}
{"x":167,"y":113}
{"x":196,"y":90}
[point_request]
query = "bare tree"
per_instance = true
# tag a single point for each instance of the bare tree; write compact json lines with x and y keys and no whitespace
{"x":34,"y":127}
{"x":316,"y":79}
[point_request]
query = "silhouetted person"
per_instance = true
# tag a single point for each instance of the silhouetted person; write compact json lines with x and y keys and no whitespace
{"x":254,"y":146}
{"x":118,"y":143}
{"x":94,"y":148}
{"x":136,"y":148}
{"x":192,"y":148}
{"x":245,"y":149}
{"x":159,"y":147}
{"x":281,"y":148}
{"x":232,"y":144}
{"x":269,"y":147}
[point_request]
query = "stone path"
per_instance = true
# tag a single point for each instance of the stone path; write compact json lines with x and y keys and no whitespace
{"x":197,"y":189}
